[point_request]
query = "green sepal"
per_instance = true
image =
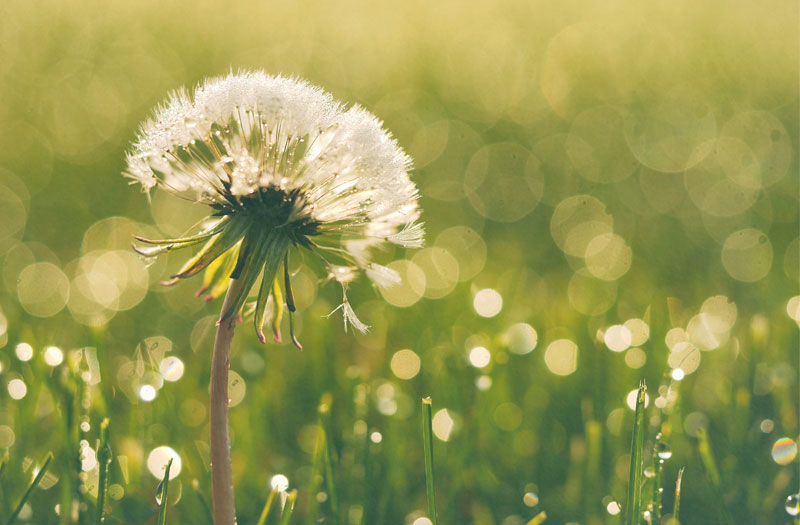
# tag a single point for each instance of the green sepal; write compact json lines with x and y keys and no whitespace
{"x":278,"y":317}
{"x":194,"y":239}
{"x":277,"y":249}
{"x":215,"y":247}
{"x":252,"y":255}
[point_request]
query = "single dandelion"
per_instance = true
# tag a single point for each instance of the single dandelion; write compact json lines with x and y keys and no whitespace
{"x":282,"y":168}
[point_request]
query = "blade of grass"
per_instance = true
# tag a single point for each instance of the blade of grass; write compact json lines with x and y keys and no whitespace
{"x":288,"y":508}
{"x":710,"y":464}
{"x":658,"y":491}
{"x":677,"y":507}
{"x":330,"y":477}
{"x":637,"y":454}
{"x":267,"y":506}
{"x":704,"y":447}
{"x":163,"y":488}
{"x":103,"y":460}
{"x":427,"y":442}
{"x":538,"y":519}
{"x":36,"y":480}
{"x":203,"y":502}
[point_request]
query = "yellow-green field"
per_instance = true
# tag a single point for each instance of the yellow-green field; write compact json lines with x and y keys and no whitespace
{"x":610,"y":194}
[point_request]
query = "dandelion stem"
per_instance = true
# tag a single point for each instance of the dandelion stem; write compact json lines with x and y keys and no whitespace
{"x":637,"y":446}
{"x":427,"y":441}
{"x":221,"y":476}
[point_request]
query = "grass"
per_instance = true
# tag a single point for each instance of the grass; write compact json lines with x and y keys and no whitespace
{"x":39,"y":475}
{"x":547,"y":146}
{"x":427,"y":445}
{"x":633,"y":503}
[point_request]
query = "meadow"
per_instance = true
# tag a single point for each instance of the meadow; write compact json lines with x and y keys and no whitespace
{"x":610,"y":196}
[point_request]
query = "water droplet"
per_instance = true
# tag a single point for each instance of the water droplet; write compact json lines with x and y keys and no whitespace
{"x":158,"y":492}
{"x":649,"y":472}
{"x":85,"y":427}
{"x":793,"y":504}
{"x":663,"y":451}
{"x":530,"y":499}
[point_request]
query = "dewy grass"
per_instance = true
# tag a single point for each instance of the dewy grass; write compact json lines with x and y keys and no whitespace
{"x":262,"y":519}
{"x":637,"y":454}
{"x":427,"y":443}
{"x":675,"y":520}
{"x":31,"y":487}
{"x":658,"y":490}
{"x":103,"y":461}
{"x":288,"y":507}
{"x":162,"y":492}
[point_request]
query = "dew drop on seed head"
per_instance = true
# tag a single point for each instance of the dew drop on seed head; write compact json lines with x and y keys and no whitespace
{"x":793,"y":504}
{"x":664,"y":452}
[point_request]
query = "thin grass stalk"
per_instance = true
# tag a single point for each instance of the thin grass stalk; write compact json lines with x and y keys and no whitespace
{"x":103,"y":461}
{"x":427,"y":442}
{"x":677,"y":507}
{"x":637,"y":455}
{"x":288,"y":507}
{"x":163,"y":489}
{"x":203,"y":502}
{"x":658,"y":491}
{"x":330,"y":476}
{"x":710,"y":464}
{"x":221,"y":475}
{"x":262,"y":519}
{"x":31,"y":487}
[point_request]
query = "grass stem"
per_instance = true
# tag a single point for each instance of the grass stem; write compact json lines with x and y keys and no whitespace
{"x":163,"y":492}
{"x":637,"y":454}
{"x":288,"y":507}
{"x":103,"y":460}
{"x":267,"y":506}
{"x":427,"y":442}
{"x":34,"y":483}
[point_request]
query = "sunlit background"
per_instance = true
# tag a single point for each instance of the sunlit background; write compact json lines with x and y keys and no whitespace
{"x":610,"y":191}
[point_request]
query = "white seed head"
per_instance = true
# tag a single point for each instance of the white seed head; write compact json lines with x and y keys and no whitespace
{"x":281,"y":151}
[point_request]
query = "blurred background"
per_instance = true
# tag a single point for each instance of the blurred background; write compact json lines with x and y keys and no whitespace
{"x":610,"y":193}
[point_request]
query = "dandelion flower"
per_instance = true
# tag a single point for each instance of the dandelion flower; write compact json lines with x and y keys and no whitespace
{"x":282,"y":166}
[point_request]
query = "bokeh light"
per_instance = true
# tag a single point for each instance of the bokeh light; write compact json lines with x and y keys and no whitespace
{"x":157,"y":462}
{"x":405,"y":364}
{"x":488,"y":302}
{"x":784,"y":451}
{"x":561,"y":357}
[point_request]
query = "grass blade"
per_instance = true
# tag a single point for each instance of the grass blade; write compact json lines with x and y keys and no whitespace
{"x":637,"y":454}
{"x":103,"y":460}
{"x":538,"y":519}
{"x":288,"y":508}
{"x":330,"y":478}
{"x":164,"y":490}
{"x":657,"y":489}
{"x":677,"y":507}
{"x":704,"y":447}
{"x":267,"y":506}
{"x":427,"y":442}
{"x":36,"y":480}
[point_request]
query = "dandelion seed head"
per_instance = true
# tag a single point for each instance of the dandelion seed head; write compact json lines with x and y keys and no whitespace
{"x":281,"y":165}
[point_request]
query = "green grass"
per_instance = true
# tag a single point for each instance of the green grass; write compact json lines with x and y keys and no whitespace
{"x":558,"y":156}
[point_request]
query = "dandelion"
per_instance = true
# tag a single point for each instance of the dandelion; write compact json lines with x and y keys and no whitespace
{"x":282,"y":168}
{"x":281,"y":165}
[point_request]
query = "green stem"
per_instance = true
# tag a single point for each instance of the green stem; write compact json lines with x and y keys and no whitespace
{"x":288,"y":508}
{"x":677,"y":507}
{"x":164,"y":490}
{"x":657,"y":490}
{"x":637,"y":446}
{"x":427,"y":442}
{"x":104,"y":460}
{"x":36,"y":480}
{"x":267,"y":506}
